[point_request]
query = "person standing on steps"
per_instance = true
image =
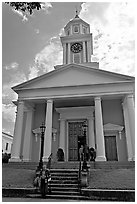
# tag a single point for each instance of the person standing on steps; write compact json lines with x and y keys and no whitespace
{"x":81,"y":152}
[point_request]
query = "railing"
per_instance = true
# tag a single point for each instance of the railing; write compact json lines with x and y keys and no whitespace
{"x":48,"y":166}
{"x":79,"y":177}
{"x":49,"y":162}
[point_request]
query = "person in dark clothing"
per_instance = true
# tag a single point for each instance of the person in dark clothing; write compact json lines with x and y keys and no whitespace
{"x":86,"y":152}
{"x":92,"y":153}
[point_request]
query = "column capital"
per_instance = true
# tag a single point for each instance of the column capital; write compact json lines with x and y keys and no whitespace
{"x":91,"y":118}
{"x":49,"y":101}
{"x":97,"y":98}
{"x":129,"y":96}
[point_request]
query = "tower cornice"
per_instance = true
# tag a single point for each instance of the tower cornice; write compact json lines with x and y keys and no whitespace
{"x":76,"y":38}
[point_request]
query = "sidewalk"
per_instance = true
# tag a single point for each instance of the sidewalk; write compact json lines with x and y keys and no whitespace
{"x":97,"y":194}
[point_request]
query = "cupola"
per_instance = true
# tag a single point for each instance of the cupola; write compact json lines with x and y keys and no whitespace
{"x":76,"y":26}
{"x":77,"y":42}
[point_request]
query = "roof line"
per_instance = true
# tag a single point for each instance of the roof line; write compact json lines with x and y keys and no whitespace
{"x":76,"y":65}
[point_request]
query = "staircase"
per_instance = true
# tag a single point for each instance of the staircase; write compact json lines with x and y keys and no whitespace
{"x":64,"y":184}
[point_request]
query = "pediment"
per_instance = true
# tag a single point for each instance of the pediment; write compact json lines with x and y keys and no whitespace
{"x":112,"y":127}
{"x":73,"y":75}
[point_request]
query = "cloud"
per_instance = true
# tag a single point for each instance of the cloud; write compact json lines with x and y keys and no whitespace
{"x":47,"y":58}
{"x":8,"y":112}
{"x":8,"y":108}
{"x":37,"y":31}
{"x":33,"y":71}
{"x":13,"y":65}
{"x":50,"y":55}
{"x":45,"y":6}
{"x":21,"y":14}
{"x":113,"y":29}
{"x":7,"y":93}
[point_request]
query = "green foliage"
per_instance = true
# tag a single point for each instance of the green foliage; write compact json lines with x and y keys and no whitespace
{"x":25,"y":7}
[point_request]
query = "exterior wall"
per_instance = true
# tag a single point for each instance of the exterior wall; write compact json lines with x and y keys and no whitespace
{"x":6,"y":139}
{"x":39,"y":117}
{"x":112,"y":113}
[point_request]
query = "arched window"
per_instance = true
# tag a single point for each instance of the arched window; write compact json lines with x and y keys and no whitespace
{"x":76,"y":28}
{"x":84,"y":30}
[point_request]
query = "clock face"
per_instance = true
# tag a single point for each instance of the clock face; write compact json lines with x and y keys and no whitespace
{"x":76,"y":47}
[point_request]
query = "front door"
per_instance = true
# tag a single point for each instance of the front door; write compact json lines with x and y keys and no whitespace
{"x":76,"y":139}
{"x":111,"y":148}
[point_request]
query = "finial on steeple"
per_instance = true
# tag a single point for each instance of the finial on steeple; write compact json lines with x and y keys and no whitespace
{"x":76,"y":13}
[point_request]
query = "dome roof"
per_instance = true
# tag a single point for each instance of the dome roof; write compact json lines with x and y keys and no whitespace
{"x":76,"y":19}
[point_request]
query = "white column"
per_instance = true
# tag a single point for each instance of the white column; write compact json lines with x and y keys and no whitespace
{"x":131,"y":114}
{"x":15,"y":154}
{"x":99,"y":131}
{"x":81,"y":29}
{"x":71,"y":30}
{"x":127,"y":132}
{"x":64,"y":53}
{"x":62,"y":135}
{"x":28,"y":137}
{"x":68,"y":53}
{"x":48,"y":131}
{"x":84,"y":51}
{"x":89,"y":51}
{"x":91,"y":132}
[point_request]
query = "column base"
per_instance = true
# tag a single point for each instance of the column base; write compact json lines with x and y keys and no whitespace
{"x":45,"y":159}
{"x":130,"y":159}
{"x":26,"y":160}
{"x":100,"y":158}
{"x":133,"y":158}
{"x":15,"y":159}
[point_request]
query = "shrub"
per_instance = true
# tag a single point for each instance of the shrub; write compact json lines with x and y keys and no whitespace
{"x":5,"y":158}
{"x":60,"y":155}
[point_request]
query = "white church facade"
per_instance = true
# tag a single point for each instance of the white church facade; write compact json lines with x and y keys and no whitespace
{"x":72,"y":93}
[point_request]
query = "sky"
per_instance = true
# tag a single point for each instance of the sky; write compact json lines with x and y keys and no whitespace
{"x":31,"y":45}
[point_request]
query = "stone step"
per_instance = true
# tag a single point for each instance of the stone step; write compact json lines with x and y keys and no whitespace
{"x":57,"y":174}
{"x":60,"y":175}
{"x":67,"y":197}
{"x":60,"y":188}
{"x":55,"y":177}
{"x":63,"y":181}
{"x":55,"y":192}
{"x":63,"y":185}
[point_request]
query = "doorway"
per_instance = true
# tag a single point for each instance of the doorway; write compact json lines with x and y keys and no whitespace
{"x":111,"y":148}
{"x":75,"y":139}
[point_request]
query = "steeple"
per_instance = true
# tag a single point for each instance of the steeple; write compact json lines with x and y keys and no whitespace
{"x":77,"y":42}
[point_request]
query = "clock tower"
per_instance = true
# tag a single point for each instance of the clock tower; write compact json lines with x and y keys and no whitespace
{"x":77,"y":42}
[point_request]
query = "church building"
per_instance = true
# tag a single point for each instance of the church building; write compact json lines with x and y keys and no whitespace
{"x":75,"y":93}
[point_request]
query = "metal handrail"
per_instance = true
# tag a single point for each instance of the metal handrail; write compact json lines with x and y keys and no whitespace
{"x":48,"y":166}
{"x":79,"y":177}
{"x":49,"y":161}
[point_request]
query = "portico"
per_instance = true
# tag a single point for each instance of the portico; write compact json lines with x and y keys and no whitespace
{"x":59,"y":112}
